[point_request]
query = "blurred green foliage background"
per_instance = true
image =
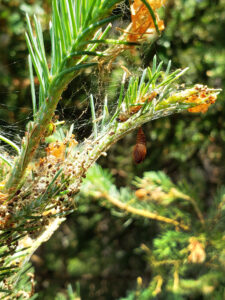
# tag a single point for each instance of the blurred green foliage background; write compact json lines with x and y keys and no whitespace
{"x":95,"y":247}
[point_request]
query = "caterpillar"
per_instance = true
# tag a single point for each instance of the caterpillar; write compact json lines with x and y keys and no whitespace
{"x":124,"y":116}
{"x":140,"y":150}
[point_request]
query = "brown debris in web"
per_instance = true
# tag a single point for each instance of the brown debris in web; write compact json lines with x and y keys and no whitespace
{"x":203,"y":94}
{"x":58,"y":149}
{"x":142,"y":21}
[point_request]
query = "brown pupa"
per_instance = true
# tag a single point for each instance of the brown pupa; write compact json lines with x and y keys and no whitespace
{"x":140,"y":150}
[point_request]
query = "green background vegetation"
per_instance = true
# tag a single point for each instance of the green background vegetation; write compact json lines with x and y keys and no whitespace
{"x":97,"y":247}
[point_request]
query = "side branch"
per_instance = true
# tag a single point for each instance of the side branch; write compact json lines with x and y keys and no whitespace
{"x":141,"y":212}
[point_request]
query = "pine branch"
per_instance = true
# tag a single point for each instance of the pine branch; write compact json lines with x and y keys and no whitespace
{"x":73,"y":23}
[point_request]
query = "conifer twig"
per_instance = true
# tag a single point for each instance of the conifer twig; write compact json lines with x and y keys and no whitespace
{"x":159,"y":284}
{"x":141,"y":212}
{"x":177,"y":193}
